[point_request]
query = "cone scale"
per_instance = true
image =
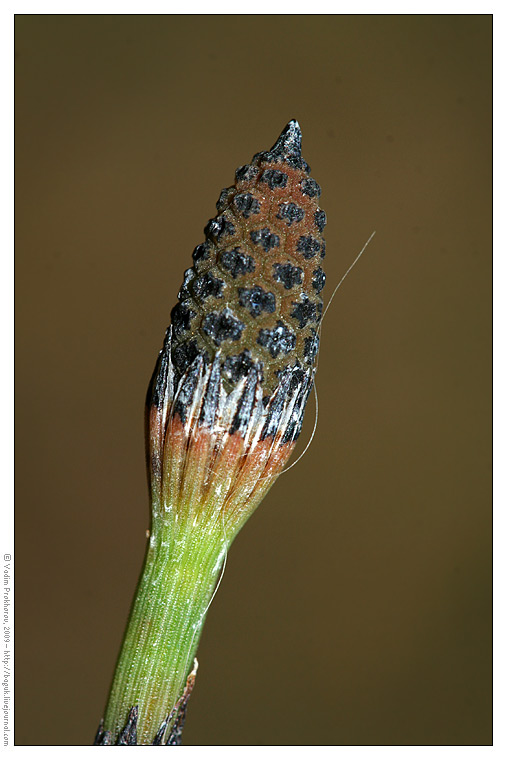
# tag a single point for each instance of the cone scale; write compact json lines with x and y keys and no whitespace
{"x":224,"y":409}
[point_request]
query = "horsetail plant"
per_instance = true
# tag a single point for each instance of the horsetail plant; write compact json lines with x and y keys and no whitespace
{"x":224,"y":409}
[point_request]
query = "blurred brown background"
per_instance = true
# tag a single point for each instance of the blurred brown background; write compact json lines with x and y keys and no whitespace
{"x":356,"y":605}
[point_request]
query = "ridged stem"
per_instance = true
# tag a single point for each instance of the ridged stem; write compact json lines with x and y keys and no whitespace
{"x":180,"y":572}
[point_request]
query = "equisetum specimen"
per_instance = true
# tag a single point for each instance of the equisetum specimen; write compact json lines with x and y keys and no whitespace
{"x":224,"y":409}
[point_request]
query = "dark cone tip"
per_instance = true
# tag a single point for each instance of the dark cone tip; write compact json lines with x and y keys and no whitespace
{"x":289,"y":142}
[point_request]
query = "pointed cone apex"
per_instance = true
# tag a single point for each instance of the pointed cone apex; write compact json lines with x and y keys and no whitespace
{"x":289,"y":142}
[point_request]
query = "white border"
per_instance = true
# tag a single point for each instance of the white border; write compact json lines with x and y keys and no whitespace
{"x":500,"y":376}
{"x":260,"y":7}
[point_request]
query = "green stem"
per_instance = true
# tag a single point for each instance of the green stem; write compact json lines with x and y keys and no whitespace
{"x":176,"y":584}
